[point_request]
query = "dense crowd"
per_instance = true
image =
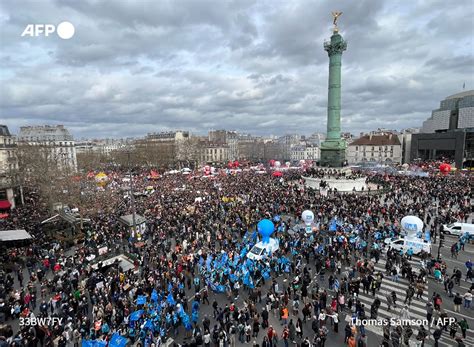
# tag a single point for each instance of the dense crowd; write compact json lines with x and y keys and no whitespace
{"x":192,"y":221}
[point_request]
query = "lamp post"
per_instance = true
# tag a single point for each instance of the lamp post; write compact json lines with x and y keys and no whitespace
{"x":132,"y":197}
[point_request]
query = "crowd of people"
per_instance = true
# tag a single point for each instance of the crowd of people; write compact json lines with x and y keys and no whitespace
{"x":179,"y":267}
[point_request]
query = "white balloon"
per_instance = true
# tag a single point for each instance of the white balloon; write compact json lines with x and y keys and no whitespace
{"x":277,"y":164}
{"x":412,"y":225}
{"x":307,"y":216}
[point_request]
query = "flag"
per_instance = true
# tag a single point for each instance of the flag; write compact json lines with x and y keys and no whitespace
{"x":135,"y":315}
{"x":93,"y":343}
{"x":148,"y":324}
{"x":170,"y":299}
{"x":154,"y":296}
{"x":141,"y":300}
{"x":427,"y":235}
{"x":266,"y":274}
{"x":336,"y":284}
{"x":208,"y":262}
{"x":117,"y":341}
{"x":333,"y":225}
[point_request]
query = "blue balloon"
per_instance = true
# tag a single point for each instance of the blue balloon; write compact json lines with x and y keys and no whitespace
{"x":265,"y":227}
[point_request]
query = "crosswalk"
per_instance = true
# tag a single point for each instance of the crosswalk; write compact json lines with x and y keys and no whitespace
{"x":417,"y":309}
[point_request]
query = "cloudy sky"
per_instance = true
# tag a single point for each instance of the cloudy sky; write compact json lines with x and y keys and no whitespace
{"x":258,"y":66}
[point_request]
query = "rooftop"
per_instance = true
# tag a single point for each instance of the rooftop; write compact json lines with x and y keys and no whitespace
{"x":376,"y":140}
{"x":4,"y":130}
{"x":461,"y":95}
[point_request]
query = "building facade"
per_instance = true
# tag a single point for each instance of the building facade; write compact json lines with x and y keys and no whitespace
{"x":449,"y":133}
{"x":385,"y":149}
{"x":456,"y":146}
{"x":53,"y":142}
{"x":305,"y":153}
{"x":455,"y":112}
{"x":8,"y":169}
{"x":230,"y":138}
{"x":217,"y":153}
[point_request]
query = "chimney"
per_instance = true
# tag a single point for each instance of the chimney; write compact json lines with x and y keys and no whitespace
{"x":390,"y":136}
{"x":370,"y":137}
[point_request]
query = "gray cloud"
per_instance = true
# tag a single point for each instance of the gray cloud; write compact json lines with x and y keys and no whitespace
{"x":255,"y":66}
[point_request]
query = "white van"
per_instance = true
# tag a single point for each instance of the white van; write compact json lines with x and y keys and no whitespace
{"x":261,"y":250}
{"x":416,"y":244}
{"x":459,"y":229}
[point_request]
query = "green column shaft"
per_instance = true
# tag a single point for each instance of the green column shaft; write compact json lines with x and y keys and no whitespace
{"x":334,"y":98}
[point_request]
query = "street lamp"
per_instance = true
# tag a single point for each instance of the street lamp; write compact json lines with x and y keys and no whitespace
{"x":132,"y":197}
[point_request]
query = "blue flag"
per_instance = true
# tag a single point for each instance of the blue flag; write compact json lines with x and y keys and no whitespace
{"x":117,"y":341}
{"x":141,"y":300}
{"x":266,"y":275}
{"x":170,"y":299}
{"x":333,"y":225}
{"x":427,"y":235}
{"x":148,"y":324}
{"x":136,"y":315}
{"x":154,"y":296}
{"x":93,"y":343}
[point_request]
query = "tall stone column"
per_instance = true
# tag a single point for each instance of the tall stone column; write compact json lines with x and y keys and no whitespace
{"x":333,"y":149}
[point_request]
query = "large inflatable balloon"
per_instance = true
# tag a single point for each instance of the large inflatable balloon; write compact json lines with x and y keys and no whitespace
{"x":308,"y":217}
{"x":412,"y":225}
{"x":265,"y":228}
{"x":288,"y":163}
{"x":445,"y":168}
{"x":277,"y":164}
{"x":236,"y":163}
{"x":272,"y":162}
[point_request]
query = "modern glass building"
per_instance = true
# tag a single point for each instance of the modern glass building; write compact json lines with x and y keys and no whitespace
{"x":455,"y":112}
{"x":449,"y":132}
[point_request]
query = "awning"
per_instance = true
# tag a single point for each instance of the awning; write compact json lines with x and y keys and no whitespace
{"x":5,"y":205}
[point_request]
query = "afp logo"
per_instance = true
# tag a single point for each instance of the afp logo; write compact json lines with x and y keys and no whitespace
{"x":64,"y":30}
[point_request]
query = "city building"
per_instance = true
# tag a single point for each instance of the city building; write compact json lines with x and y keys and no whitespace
{"x":455,"y":146}
{"x":8,"y":169}
{"x":449,"y":133}
{"x":105,"y":147}
{"x":54,"y":142}
{"x":385,"y":148}
{"x":405,"y":139}
{"x":455,"y":112}
{"x":230,"y":138}
{"x":213,"y":152}
{"x":166,"y":136}
{"x":316,"y":139}
{"x":309,"y":152}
